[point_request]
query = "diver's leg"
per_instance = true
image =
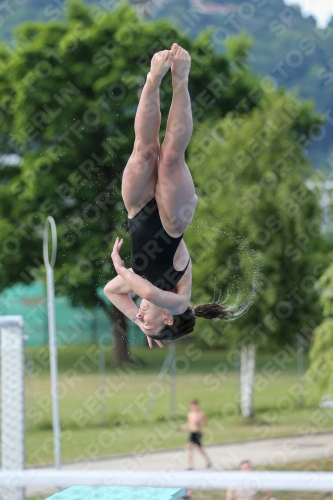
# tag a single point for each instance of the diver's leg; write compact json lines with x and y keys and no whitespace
{"x":140,"y":174}
{"x":175,"y":194}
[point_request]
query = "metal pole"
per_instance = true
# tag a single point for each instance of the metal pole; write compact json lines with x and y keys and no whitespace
{"x":12,"y":402}
{"x":157,"y":386}
{"x":172,"y":354}
{"x":101,"y":370}
{"x":52,"y":333}
{"x":30,"y":374}
{"x":300,"y":369}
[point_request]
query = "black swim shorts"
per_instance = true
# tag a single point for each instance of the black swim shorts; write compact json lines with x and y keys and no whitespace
{"x":195,"y":437}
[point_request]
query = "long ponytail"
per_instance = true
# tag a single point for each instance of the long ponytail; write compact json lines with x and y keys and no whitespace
{"x":211,"y":311}
{"x":183,"y":324}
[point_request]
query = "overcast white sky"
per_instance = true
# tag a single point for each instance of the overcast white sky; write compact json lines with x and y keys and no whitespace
{"x":321,"y":10}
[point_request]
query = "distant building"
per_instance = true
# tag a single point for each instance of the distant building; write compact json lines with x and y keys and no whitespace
{"x":150,"y":8}
{"x":212,"y":8}
{"x":10,"y":160}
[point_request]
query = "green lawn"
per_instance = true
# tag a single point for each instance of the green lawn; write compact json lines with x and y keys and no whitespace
{"x":209,"y":376}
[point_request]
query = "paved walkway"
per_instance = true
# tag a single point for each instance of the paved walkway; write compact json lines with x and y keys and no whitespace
{"x":224,"y":456}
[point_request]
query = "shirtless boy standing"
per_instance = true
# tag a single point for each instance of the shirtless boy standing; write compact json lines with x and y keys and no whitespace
{"x":196,"y":419}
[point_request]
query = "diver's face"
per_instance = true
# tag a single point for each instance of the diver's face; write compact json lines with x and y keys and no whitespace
{"x":151,"y":317}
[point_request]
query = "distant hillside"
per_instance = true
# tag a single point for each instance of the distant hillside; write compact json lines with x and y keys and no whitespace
{"x":287,"y":47}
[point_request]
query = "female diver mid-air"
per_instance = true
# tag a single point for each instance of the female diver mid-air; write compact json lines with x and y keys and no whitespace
{"x":159,"y":196}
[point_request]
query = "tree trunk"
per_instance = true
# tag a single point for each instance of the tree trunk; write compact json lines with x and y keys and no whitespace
{"x":120,"y":346}
{"x":248,"y":361}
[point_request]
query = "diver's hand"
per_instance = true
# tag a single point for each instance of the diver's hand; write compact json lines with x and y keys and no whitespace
{"x":115,"y":256}
{"x":150,"y":342}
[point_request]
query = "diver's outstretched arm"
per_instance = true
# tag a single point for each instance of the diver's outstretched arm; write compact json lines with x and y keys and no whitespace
{"x":123,"y":302}
{"x":117,"y":285}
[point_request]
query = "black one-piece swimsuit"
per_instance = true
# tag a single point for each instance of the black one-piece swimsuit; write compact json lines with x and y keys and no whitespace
{"x":153,"y":249}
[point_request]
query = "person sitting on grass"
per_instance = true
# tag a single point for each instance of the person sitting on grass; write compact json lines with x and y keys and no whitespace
{"x":245,"y":493}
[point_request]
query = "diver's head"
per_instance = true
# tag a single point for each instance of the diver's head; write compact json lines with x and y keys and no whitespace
{"x":152,"y":319}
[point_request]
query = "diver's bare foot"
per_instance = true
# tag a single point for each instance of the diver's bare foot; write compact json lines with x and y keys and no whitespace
{"x":181,"y":65}
{"x":160,"y":64}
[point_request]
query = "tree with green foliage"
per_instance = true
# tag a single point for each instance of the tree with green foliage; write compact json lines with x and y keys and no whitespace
{"x":321,"y":353}
{"x":287,"y":47}
{"x":68,"y":98}
{"x":254,"y":203}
